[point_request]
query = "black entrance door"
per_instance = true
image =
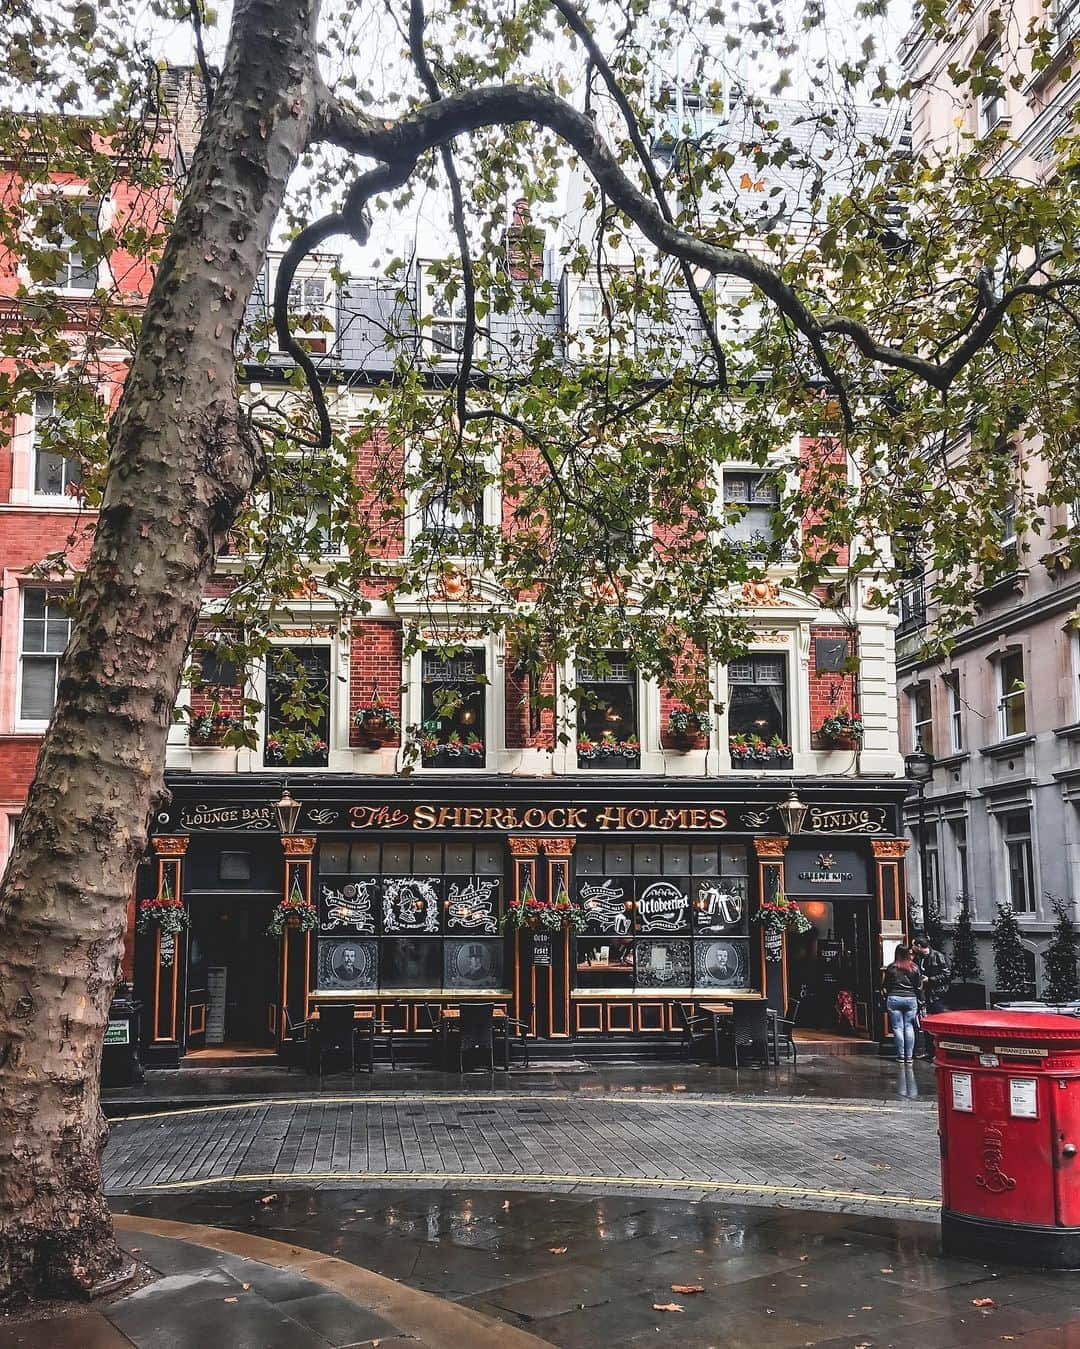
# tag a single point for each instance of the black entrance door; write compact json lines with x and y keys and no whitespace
{"x":234,"y":973}
{"x":830,"y":972}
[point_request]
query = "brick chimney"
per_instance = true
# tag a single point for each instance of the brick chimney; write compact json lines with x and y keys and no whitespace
{"x":524,"y":245}
{"x":185,"y":99}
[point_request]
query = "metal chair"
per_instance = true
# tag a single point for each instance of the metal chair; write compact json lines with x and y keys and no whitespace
{"x":750,"y":1030}
{"x":693,"y":1029}
{"x":296,"y":1043}
{"x":515,"y":1032}
{"x":429,"y":1017}
{"x":476,"y":1033}
{"x":336,"y":1033}
{"x":376,"y":1033}
{"x":781,"y":1032}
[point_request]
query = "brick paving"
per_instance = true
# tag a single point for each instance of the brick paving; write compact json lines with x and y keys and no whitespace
{"x":865,"y":1157}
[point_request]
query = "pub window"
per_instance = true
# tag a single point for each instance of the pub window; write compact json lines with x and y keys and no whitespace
{"x":608,"y":734}
{"x":44,"y":635}
{"x":920,"y":703}
{"x":297,"y":707}
{"x":420,"y":916}
{"x":751,"y":501}
{"x":56,"y":468}
{"x":663,"y":916}
{"x":453,"y":709}
{"x":1012,"y":712}
{"x":758,"y":711}
{"x":1019,"y":859}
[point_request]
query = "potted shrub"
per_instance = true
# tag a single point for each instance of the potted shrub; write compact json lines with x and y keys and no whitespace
{"x":843,"y":730}
{"x":1011,"y":971}
{"x":967,"y":990}
{"x":688,"y":729}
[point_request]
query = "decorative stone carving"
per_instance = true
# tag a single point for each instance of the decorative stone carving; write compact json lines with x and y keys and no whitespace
{"x":298,"y":845}
{"x":523,"y":847}
{"x":765,"y":593}
{"x":889,"y":849}
{"x":558,"y":847}
{"x":171,"y":845}
{"x":453,"y":585}
{"x":770,"y":846}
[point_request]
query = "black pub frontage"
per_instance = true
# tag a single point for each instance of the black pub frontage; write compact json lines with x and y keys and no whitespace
{"x":411,"y":880}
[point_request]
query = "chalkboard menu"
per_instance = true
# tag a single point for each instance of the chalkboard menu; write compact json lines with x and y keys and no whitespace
{"x":472,"y":904}
{"x":662,"y":905}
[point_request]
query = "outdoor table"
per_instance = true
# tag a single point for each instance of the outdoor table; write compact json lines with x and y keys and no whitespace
{"x":720,"y":1012}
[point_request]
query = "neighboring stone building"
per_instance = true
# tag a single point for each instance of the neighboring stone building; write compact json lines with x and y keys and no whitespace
{"x":1001,"y":713}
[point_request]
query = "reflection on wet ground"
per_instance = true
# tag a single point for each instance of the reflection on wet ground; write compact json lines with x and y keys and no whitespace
{"x":833,"y":1077}
{"x":582,"y":1270}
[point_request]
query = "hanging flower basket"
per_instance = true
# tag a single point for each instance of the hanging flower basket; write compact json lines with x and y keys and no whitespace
{"x":210,"y":728}
{"x":842,"y":731}
{"x":300,"y":914}
{"x":781,"y":914}
{"x":688,"y":729}
{"x":531,"y":914}
{"x":376,"y":726}
{"x":165,"y":913}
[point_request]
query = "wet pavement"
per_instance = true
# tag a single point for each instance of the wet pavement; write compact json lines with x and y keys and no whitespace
{"x":877,"y":1154}
{"x":582,"y":1270}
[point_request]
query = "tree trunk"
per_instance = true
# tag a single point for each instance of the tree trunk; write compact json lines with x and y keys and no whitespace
{"x":180,"y":462}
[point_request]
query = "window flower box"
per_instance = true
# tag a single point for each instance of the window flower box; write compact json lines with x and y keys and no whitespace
{"x":608,"y":752}
{"x":291,"y":749}
{"x":751,"y":751}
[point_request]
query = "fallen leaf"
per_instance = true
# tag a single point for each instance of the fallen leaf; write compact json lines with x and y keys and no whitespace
{"x":232,"y":1299}
{"x":886,"y":1269}
{"x":804,"y":1257}
{"x":268,"y":1199}
{"x":983,"y":1302}
{"x":839,"y":1157}
{"x":557,"y":1250}
{"x":245,"y":1286}
{"x":667,"y":1307}
{"x":688,"y":1288}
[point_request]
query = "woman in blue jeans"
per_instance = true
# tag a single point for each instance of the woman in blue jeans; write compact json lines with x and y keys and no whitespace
{"x":903,"y":989}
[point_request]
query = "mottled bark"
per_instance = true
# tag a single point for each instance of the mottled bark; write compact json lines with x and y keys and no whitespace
{"x":180,"y":461}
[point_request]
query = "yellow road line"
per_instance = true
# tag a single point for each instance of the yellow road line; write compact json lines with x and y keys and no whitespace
{"x":409,"y":1098}
{"x":511,"y":1178}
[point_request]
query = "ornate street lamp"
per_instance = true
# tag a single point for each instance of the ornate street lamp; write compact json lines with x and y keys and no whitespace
{"x":792,"y":812}
{"x":288,"y":812}
{"x":919,"y":768}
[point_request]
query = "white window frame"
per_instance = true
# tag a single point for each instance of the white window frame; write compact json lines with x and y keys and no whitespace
{"x":104,"y":212}
{"x":33,"y":723}
{"x":956,"y":711}
{"x":494,"y":719}
{"x":790,"y":668}
{"x":991,"y":106}
{"x":780,"y":473}
{"x":66,"y":497}
{"x":1074,"y":645}
{"x":642,"y":731}
{"x":338,"y":720}
{"x":1066,"y":19}
{"x":958,"y":830}
{"x":1028,"y":838}
{"x":430,"y":294}
{"x":917,"y":723}
{"x":1007,"y":696}
{"x":490,"y":507}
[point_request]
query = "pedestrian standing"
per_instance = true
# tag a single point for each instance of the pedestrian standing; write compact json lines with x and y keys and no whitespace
{"x":937,"y":976}
{"x":903,"y":986}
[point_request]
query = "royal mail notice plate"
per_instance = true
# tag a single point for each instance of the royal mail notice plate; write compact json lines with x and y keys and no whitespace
{"x":989,"y":1060}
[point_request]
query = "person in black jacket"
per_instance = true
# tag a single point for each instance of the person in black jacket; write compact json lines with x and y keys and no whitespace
{"x":937,"y":977}
{"x":903,"y":990}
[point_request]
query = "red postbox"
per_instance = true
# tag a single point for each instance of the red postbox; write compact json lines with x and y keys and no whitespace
{"x":1009,"y":1112}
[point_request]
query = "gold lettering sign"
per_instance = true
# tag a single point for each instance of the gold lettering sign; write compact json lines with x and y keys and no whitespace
{"x":426,"y":816}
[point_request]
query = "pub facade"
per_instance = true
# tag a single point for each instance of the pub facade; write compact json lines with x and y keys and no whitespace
{"x":411,"y":884}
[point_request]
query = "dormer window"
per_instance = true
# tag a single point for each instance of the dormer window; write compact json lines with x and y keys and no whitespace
{"x":443,"y":313}
{"x":309,"y":312}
